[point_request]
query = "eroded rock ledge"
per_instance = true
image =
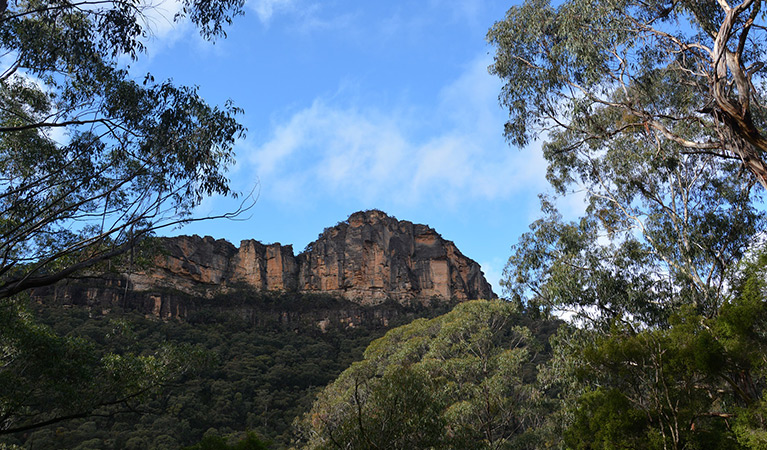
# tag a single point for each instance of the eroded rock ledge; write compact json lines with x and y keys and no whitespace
{"x":367,"y":259}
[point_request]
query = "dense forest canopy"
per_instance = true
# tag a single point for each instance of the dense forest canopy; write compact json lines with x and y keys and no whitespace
{"x":461,"y":380}
{"x":243,"y":376}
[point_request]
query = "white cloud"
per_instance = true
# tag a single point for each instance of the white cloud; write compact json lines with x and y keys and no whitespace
{"x":334,"y":149}
{"x":156,"y":16}
{"x":159,"y":18}
{"x":304,"y":16}
{"x":163,"y":31}
{"x":367,"y":154}
{"x":265,"y":9}
{"x":462,"y":10}
{"x":471,"y":101}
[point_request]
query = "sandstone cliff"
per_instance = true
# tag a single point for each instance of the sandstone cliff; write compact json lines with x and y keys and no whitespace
{"x":367,"y":259}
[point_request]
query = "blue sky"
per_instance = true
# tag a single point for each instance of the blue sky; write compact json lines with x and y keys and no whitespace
{"x":360,"y":105}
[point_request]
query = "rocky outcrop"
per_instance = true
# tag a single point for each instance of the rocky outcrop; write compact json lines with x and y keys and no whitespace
{"x":206,"y":266}
{"x":372,"y":257}
{"x":368,"y":259}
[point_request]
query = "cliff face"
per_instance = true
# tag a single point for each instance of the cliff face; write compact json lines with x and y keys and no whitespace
{"x":367,"y":259}
{"x":198,"y":265}
{"x":372,"y":257}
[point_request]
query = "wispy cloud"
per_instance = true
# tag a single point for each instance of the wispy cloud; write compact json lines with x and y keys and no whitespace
{"x":266,"y":9}
{"x":366,"y":154}
{"x":303,"y":16}
{"x":462,"y":10}
{"x":331,"y":149}
{"x":162,"y":29}
{"x":159,"y":17}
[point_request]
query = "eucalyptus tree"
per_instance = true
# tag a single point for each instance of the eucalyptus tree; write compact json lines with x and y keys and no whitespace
{"x":696,"y":383}
{"x":92,"y":161}
{"x":652,"y":110}
{"x":681,"y":72}
{"x":461,"y":380}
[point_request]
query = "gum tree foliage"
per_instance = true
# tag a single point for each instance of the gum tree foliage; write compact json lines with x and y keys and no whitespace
{"x":92,"y":160}
{"x":653,"y":110}
{"x":461,"y":380}
{"x":681,"y":72}
{"x":697,"y":383}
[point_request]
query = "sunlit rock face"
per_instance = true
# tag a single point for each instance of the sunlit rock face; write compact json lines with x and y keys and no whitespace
{"x":368,"y":259}
{"x":372,"y":257}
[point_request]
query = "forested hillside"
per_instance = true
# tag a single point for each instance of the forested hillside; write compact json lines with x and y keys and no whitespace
{"x":246,"y":376}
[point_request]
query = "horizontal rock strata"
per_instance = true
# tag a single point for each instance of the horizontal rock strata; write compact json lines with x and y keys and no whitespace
{"x":367,"y":259}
